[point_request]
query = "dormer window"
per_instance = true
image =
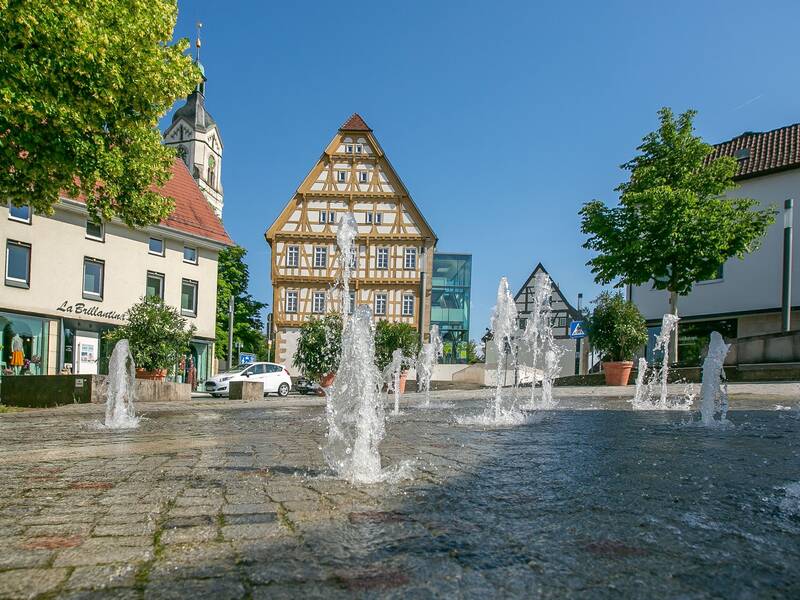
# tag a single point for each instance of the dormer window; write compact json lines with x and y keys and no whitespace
{"x":742,"y":154}
{"x":341,"y":176}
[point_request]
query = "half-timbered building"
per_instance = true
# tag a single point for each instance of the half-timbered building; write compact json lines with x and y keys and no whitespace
{"x":391,"y":270}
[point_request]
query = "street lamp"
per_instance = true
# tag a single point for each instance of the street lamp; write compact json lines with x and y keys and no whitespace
{"x":786,"y":306}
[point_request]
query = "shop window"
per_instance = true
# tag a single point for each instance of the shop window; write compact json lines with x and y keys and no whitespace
{"x":23,"y":345}
{"x":156,"y":246}
{"x":408,"y":305}
{"x":20,"y":213}
{"x":190,"y":255}
{"x":380,"y":304}
{"x":382,"y":258}
{"x":318,"y":303}
{"x":189,"y":298}
{"x":291,"y":301}
{"x":292,"y":256}
{"x":93,"y":273}
{"x":95,"y":230}
{"x":18,"y":264}
{"x":155,"y":285}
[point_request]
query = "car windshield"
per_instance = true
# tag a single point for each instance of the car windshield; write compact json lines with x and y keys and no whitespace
{"x":237,"y":368}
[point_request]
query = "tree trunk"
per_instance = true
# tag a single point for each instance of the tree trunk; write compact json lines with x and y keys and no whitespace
{"x":673,"y":342}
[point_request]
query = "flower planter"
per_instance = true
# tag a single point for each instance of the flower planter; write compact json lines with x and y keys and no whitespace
{"x":617,"y":373}
{"x":402,"y":383}
{"x":156,"y":375}
{"x":325,"y":382}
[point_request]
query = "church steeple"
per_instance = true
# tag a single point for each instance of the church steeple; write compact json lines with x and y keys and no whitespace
{"x":195,"y":136}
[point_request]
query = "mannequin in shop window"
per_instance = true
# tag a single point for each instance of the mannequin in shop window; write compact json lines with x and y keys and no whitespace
{"x":17,"y":354}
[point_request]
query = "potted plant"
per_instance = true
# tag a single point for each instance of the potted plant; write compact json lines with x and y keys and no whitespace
{"x":320,"y":348}
{"x":617,"y":330}
{"x":390,"y":337}
{"x":158,"y":336}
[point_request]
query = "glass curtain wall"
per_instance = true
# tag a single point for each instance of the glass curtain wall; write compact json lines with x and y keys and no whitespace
{"x":450,"y":302}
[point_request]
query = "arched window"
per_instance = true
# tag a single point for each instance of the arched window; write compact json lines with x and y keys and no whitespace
{"x":212,"y":174}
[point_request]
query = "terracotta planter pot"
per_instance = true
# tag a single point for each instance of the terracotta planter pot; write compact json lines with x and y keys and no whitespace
{"x":326,"y":381}
{"x":402,"y":383}
{"x":617,"y":373}
{"x":157,"y":375}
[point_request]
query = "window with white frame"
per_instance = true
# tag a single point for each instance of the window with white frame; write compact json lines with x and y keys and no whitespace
{"x":93,"y":272}
{"x":291,"y":301}
{"x":380,"y":304}
{"x":410,"y":258}
{"x":368,"y":218}
{"x":341,"y":176}
{"x":332,"y":218}
{"x":382,"y":258}
{"x":354,"y":259}
{"x":408,"y":305}
{"x":320,"y":257}
{"x":323,"y":216}
{"x":362,"y":177}
{"x":352,"y":306}
{"x":156,"y":246}
{"x":348,"y":148}
{"x":378,"y":218}
{"x":18,"y":264}
{"x":155,"y":285}
{"x":20,"y":213}
{"x":359,"y":149}
{"x":189,"y":298}
{"x":318,"y":303}
{"x":94,"y":230}
{"x":190,"y":255}
{"x":293,"y":256}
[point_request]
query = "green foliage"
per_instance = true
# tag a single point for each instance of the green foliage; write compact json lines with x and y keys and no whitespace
{"x":157,"y":333}
{"x":616,"y":327}
{"x":473,"y":355}
{"x":83,"y":84}
{"x":389,"y":337}
{"x":233,"y":278}
{"x":320,"y":346}
{"x":672,"y":226}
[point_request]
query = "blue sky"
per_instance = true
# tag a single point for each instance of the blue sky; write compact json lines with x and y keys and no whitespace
{"x":502,"y":118}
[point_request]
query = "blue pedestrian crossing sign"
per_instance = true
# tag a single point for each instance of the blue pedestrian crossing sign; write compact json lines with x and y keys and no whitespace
{"x":576,"y":330}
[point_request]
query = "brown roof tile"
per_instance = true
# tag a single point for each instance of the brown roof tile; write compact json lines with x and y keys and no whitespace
{"x":762,"y":152}
{"x":355,"y":123}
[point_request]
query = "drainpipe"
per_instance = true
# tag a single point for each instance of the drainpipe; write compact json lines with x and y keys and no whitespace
{"x":786,"y":306}
{"x":230,"y":333}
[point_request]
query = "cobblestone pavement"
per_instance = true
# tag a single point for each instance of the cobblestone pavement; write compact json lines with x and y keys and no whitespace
{"x":226,"y":499}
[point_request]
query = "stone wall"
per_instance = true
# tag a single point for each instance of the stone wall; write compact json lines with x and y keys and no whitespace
{"x":769,"y":348}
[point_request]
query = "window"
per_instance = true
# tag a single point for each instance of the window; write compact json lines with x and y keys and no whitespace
{"x":332,"y":218}
{"x":348,"y":148}
{"x":408,"y":305}
{"x":18,"y":264}
{"x":378,"y":218}
{"x":95,"y":231}
{"x":341,"y":176}
{"x":318,"y":304}
{"x":93,"y":278}
{"x":320,"y":257}
{"x":368,"y":218}
{"x":352,"y":306}
{"x":380,"y":304}
{"x":362,"y":176}
{"x":718,"y":276}
{"x":155,"y":285}
{"x":156,"y":246}
{"x":212,"y":172}
{"x":354,"y":259}
{"x":19,"y":213}
{"x":359,"y":149}
{"x":190,"y":255}
{"x":410,"y":258}
{"x":323,"y":216}
{"x":382,"y":258}
{"x":292,"y":256}
{"x":189,"y":298}
{"x":291,"y":301}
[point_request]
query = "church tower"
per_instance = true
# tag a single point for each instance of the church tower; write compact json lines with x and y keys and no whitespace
{"x":195,"y":136}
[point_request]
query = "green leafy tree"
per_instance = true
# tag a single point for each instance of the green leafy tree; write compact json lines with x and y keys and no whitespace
{"x":83,"y":84}
{"x":319,"y":347}
{"x":473,"y":355}
{"x":617,"y":329}
{"x":233,"y":279}
{"x":157,"y":333}
{"x":391,"y":336}
{"x":672,"y":225}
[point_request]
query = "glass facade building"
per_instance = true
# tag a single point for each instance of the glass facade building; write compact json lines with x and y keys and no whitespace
{"x":450,"y":303}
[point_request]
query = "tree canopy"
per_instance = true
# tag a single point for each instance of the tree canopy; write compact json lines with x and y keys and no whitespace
{"x":672,"y":225}
{"x":83,"y":84}
{"x":233,"y":278}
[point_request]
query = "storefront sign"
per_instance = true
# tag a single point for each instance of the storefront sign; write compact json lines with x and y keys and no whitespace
{"x":80,"y":308}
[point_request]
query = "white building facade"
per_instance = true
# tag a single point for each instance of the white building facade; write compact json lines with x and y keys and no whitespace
{"x":745,"y":298}
{"x":67,"y":280}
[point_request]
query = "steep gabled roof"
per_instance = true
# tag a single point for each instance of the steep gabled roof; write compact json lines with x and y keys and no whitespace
{"x":540,"y":269}
{"x":761,"y":153}
{"x":355,"y":123}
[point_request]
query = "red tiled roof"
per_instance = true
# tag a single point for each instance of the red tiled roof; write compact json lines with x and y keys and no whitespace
{"x":355,"y":123}
{"x":192,"y":214}
{"x":767,"y":151}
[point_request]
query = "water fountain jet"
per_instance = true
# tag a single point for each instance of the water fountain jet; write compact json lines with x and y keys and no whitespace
{"x":121,"y":381}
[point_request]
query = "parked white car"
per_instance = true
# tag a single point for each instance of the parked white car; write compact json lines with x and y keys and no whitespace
{"x":275,"y":378}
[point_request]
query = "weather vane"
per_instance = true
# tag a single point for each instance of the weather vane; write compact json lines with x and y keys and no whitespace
{"x":197,"y":43}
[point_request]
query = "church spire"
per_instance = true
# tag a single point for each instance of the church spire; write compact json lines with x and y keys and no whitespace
{"x":201,"y":85}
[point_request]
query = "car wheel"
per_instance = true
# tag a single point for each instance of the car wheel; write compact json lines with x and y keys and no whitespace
{"x":283,"y":389}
